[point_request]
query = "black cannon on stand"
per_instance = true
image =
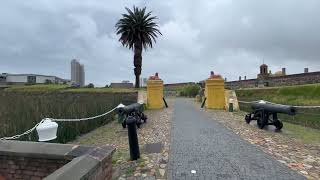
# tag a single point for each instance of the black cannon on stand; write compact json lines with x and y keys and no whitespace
{"x":267,"y":114}
{"x":134,"y":110}
{"x":132,"y":116}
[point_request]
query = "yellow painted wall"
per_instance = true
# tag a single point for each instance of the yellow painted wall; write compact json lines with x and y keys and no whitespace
{"x":215,"y":93}
{"x":155,"y":94}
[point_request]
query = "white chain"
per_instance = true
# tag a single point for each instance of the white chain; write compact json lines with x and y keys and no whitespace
{"x":83,"y":119}
{"x":59,"y":120}
{"x":25,"y":133}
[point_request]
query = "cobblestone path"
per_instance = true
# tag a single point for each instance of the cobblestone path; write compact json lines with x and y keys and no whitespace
{"x":215,"y":152}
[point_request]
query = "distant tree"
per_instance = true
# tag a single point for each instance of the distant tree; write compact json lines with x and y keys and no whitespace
{"x":190,"y":90}
{"x":137,"y":31}
{"x":90,"y":85}
{"x":106,"y":86}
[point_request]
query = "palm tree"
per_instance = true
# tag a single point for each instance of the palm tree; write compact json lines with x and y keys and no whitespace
{"x":138,"y":31}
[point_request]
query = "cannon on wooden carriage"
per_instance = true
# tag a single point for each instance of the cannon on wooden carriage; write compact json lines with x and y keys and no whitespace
{"x":134,"y":110}
{"x":267,"y":114}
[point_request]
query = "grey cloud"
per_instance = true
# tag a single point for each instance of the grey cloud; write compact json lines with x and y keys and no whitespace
{"x":228,"y":36}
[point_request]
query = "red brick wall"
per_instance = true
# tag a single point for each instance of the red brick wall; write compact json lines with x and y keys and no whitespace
{"x":104,"y":172}
{"x":14,"y":167}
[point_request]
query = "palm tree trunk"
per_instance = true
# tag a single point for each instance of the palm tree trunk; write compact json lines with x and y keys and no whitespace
{"x":137,"y":62}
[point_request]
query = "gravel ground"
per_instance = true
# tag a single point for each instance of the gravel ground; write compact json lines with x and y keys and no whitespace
{"x":301,"y":157}
{"x":150,"y":165}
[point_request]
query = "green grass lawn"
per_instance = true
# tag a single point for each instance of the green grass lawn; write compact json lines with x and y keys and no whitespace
{"x":37,"y":88}
{"x":292,"y":95}
{"x":99,"y":90}
{"x":307,"y":135}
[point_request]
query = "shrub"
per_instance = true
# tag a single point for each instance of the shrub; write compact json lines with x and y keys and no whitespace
{"x":90,"y":85}
{"x":190,"y":90}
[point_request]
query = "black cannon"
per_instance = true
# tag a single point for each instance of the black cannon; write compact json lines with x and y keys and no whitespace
{"x":135,"y":110}
{"x":263,"y":110}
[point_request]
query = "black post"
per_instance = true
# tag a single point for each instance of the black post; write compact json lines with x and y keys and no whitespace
{"x":230,"y":107}
{"x":165,"y":102}
{"x":133,"y":138}
{"x":203,"y":103}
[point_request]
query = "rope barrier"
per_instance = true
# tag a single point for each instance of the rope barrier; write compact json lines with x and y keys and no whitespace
{"x":83,"y":119}
{"x":25,"y":133}
{"x":59,"y":120}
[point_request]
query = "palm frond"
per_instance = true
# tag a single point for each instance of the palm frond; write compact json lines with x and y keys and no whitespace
{"x":137,"y":26}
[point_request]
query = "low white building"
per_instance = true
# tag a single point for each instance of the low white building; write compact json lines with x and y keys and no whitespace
{"x":6,"y":78}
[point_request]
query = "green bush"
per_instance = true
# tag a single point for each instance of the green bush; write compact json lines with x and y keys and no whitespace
{"x":190,"y":90}
{"x":90,"y":85}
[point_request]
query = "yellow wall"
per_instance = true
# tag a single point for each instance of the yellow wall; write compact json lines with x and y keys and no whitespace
{"x":215,"y":93}
{"x":154,"y":94}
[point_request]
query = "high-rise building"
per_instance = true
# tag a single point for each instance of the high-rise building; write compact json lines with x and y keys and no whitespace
{"x":77,"y":73}
{"x":82,"y":75}
{"x":143,"y":82}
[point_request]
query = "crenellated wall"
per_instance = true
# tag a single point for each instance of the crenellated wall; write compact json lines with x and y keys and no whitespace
{"x":274,"y":81}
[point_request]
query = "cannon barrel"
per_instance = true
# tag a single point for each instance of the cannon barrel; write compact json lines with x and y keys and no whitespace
{"x":274,"y":108}
{"x":130,"y":108}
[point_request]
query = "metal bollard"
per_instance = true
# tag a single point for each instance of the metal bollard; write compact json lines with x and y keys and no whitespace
{"x":230,"y":107}
{"x":204,"y":102}
{"x":133,"y":138}
{"x":165,"y":102}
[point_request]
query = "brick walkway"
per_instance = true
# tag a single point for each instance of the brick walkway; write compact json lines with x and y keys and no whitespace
{"x":214,"y":152}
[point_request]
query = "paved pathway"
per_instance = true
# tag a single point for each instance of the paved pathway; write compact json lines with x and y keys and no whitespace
{"x":200,"y":143}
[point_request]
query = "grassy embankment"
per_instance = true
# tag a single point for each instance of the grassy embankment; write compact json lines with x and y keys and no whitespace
{"x":306,"y":124}
{"x":63,"y":88}
{"x":292,"y":95}
{"x":21,"y":107}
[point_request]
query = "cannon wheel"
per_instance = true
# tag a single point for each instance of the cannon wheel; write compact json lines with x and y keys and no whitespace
{"x":278,"y":124}
{"x":144,"y":117}
{"x":124,"y":124}
{"x":248,"y":118}
{"x":262,"y":121}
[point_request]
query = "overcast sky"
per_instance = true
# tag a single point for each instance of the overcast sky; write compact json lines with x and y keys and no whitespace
{"x":230,"y":37}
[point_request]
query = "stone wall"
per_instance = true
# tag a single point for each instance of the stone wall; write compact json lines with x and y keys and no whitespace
{"x":296,"y":79}
{"x":51,"y":161}
{"x":176,"y":86}
{"x":249,"y":83}
{"x":274,"y":81}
